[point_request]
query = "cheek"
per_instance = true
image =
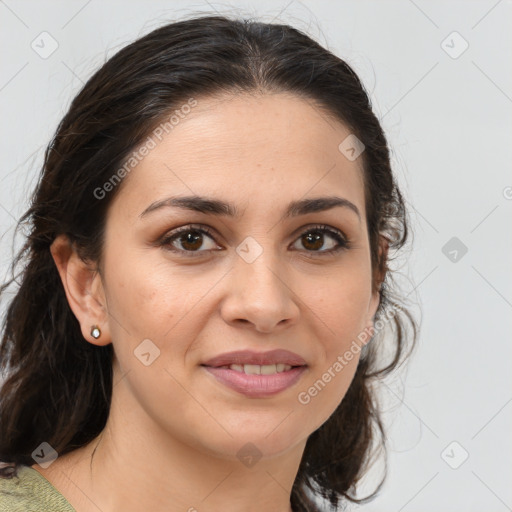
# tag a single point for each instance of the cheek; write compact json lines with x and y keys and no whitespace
{"x":156,"y":302}
{"x":341,"y":303}
{"x":151,"y":329}
{"x":144,"y":294}
{"x":340,"y":309}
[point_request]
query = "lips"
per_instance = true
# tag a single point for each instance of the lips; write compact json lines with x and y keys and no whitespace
{"x":256,"y":386}
{"x":243,"y":357}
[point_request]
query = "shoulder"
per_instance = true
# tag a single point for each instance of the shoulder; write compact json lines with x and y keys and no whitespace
{"x":29,"y":491}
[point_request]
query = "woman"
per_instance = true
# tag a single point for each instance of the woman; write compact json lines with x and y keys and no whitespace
{"x":202,"y":310}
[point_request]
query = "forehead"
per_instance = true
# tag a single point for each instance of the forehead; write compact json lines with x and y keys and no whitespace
{"x":248,"y":149}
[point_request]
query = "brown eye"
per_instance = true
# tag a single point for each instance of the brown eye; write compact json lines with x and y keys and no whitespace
{"x":189,"y":240}
{"x":315,"y":238}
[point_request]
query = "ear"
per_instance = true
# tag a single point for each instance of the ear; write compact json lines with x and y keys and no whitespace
{"x":380,"y":275}
{"x":83,"y":288}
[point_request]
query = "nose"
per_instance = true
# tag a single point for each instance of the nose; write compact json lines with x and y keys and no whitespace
{"x":259,"y":295}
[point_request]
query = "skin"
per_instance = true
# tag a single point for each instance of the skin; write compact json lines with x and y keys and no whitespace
{"x":173,"y":433}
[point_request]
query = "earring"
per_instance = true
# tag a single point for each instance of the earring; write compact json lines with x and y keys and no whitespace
{"x":95,"y":332}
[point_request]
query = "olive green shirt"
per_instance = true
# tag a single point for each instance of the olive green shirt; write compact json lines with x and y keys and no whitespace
{"x":29,"y":491}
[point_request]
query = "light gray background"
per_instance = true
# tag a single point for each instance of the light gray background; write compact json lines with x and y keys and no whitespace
{"x":448,"y":121}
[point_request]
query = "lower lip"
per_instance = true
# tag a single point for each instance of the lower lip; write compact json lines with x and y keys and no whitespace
{"x":257,"y":386}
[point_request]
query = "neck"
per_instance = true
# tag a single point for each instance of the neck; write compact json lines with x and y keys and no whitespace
{"x":135,"y":465}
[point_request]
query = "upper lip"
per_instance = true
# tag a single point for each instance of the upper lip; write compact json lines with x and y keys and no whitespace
{"x":259,"y":358}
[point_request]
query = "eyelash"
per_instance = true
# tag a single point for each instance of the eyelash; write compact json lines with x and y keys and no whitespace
{"x":343,"y":242}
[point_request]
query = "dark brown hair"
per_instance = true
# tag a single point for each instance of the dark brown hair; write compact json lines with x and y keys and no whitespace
{"x":57,"y":385}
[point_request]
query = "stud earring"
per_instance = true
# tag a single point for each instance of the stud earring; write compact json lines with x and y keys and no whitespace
{"x":95,"y":332}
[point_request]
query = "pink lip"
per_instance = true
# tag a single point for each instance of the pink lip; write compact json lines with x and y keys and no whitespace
{"x":257,"y":386}
{"x":259,"y":358}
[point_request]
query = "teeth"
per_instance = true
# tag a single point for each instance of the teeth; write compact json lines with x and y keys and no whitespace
{"x":252,"y":369}
{"x":255,"y":369}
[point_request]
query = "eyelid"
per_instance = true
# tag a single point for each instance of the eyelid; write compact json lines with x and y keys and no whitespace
{"x":343,"y":242}
{"x":170,"y":235}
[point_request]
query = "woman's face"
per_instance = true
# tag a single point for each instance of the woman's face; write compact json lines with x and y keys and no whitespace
{"x":257,"y":281}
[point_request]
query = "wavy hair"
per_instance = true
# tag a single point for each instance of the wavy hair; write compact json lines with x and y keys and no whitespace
{"x":57,"y":386}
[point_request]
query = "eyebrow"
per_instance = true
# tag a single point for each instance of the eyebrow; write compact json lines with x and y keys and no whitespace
{"x":220,"y":208}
